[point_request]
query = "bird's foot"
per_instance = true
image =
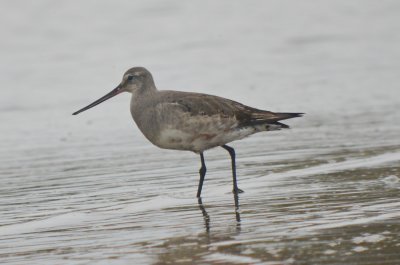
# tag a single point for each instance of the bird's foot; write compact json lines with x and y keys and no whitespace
{"x":237,"y":190}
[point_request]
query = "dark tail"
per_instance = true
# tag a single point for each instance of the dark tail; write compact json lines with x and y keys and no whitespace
{"x":262,"y":117}
{"x":275,"y":125}
{"x":287,"y":115}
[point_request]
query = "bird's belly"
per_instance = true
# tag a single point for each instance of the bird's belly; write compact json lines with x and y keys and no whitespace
{"x":198,"y":141}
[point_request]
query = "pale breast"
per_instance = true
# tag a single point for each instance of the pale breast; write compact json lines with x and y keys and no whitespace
{"x":201,"y":134}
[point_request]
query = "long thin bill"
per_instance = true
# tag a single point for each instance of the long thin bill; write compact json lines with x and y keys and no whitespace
{"x":113,"y":93}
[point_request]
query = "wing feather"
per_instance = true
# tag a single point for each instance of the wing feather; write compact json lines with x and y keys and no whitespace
{"x":203,"y":105}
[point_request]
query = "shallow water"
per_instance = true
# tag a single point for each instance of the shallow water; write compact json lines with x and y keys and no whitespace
{"x":90,"y":189}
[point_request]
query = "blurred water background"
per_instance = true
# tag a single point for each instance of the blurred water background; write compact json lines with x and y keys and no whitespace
{"x":90,"y":189}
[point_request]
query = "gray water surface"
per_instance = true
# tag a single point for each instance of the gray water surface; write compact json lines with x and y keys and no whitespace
{"x":90,"y":189}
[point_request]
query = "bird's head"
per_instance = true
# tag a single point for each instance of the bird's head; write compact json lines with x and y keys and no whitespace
{"x":135,"y":80}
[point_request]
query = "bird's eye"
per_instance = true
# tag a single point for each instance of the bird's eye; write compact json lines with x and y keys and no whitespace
{"x":130,"y":77}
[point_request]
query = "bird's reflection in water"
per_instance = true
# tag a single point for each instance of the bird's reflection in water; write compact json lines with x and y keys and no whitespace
{"x":237,"y":213}
{"x":206,"y":216}
{"x":195,"y":248}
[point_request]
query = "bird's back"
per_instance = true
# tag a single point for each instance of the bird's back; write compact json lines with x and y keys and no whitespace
{"x":196,"y":122}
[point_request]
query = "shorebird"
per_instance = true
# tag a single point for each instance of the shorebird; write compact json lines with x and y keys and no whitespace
{"x":191,"y":121}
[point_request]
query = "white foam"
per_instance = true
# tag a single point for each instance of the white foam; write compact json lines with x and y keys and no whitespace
{"x":367,"y":162}
{"x":232,"y":259}
{"x":360,"y":249}
{"x":343,"y":223}
{"x":62,"y":220}
{"x":391,"y":180}
{"x":368,"y":238}
{"x":73,"y":219}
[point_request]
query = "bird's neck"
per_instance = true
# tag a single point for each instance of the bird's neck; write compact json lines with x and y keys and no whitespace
{"x":148,"y":86}
{"x":145,"y":91}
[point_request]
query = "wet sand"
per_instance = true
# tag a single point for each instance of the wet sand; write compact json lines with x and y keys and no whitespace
{"x":92,"y":190}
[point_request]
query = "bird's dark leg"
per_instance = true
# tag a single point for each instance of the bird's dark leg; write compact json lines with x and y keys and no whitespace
{"x":202,"y":173}
{"x":232,"y":153}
